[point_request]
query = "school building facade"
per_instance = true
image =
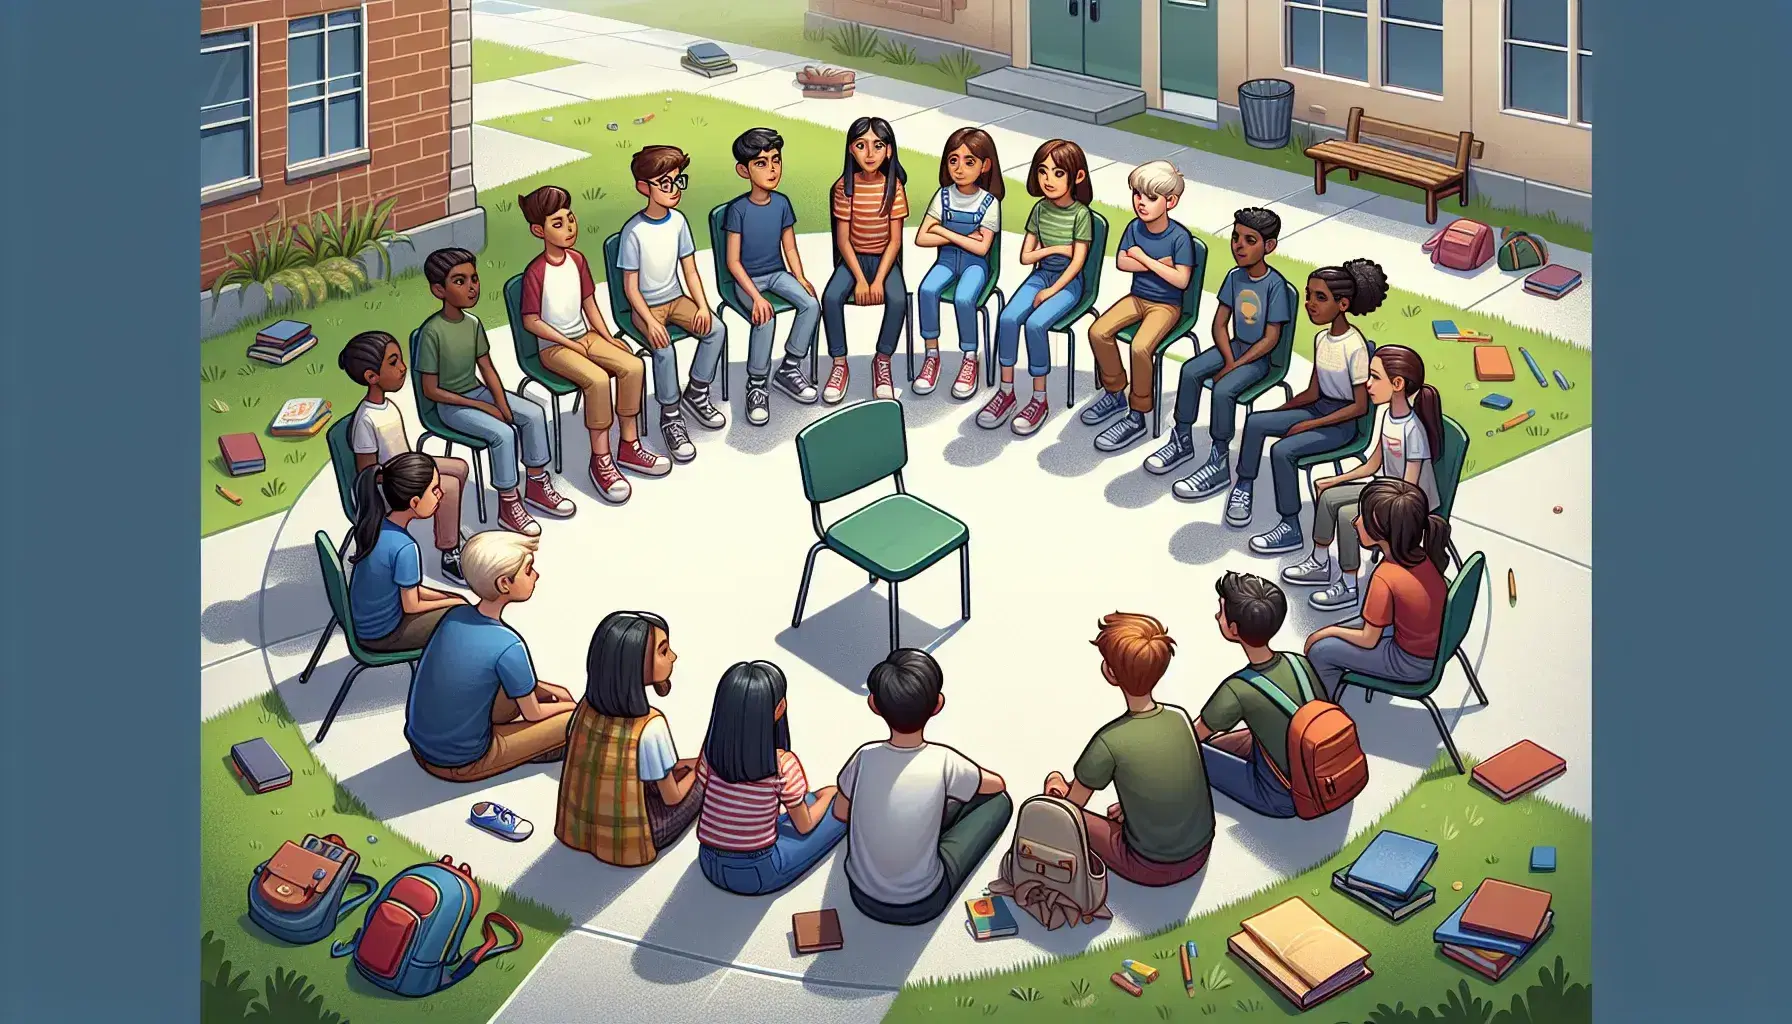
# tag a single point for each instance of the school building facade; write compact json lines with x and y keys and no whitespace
{"x":1517,"y":73}
{"x":311,"y":103}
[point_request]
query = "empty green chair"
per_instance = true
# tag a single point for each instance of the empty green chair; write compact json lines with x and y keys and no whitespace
{"x":896,"y":537}
{"x":991,"y":289}
{"x":1448,"y":470}
{"x":728,"y":293}
{"x":336,"y":589}
{"x":1090,"y":276}
{"x":528,"y":357}
{"x":1186,"y":326}
{"x":434,"y":427}
{"x":1459,"y":611}
{"x":625,"y":323}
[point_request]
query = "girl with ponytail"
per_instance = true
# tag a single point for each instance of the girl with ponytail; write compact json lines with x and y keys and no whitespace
{"x":1403,"y":613}
{"x":1410,"y":432}
{"x":390,"y":607}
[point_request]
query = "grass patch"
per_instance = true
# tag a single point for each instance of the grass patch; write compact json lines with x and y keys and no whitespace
{"x":1409,"y":972}
{"x":493,"y":61}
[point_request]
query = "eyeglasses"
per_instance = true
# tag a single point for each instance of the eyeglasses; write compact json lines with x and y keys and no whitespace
{"x":670,"y":184}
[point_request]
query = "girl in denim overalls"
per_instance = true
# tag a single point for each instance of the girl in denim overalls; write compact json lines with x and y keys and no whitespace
{"x":962,"y":222}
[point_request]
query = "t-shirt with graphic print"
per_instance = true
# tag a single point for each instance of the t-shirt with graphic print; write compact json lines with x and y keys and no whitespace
{"x":1403,"y":442}
{"x":1255,"y":303}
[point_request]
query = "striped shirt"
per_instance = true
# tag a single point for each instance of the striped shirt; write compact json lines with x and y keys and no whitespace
{"x":868,"y":227}
{"x":743,"y":816}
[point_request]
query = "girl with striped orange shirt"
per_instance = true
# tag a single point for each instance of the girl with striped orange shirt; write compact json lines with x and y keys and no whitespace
{"x":869,"y":206}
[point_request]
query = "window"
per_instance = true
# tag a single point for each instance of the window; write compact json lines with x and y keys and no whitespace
{"x":227,"y":109}
{"x":1412,"y":45}
{"x":325,"y":98}
{"x":1583,"y":62}
{"x":1544,"y":74}
{"x":1330,"y":37}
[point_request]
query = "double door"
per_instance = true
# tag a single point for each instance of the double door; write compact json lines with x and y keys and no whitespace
{"x":1098,"y":38}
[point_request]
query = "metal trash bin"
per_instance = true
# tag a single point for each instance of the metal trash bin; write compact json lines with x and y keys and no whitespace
{"x":1266,"y":105}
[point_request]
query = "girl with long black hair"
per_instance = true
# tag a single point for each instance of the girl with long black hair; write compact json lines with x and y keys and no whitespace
{"x":869,"y":208}
{"x":389,"y":606}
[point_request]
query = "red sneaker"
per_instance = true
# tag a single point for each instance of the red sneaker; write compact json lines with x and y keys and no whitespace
{"x":539,"y":492}
{"x":836,"y":386}
{"x":882,"y":386}
{"x":609,"y":483}
{"x":514,"y":517}
{"x":965,"y":385}
{"x":996,"y":410}
{"x":1029,"y":418}
{"x":634,"y":457}
{"x":929,"y":377}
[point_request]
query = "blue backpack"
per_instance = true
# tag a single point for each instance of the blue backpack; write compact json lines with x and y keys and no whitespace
{"x":297,"y":894}
{"x":410,"y":943}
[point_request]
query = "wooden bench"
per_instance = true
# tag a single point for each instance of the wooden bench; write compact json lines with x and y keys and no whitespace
{"x":1438,"y":179}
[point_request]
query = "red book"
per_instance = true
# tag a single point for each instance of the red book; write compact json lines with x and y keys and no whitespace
{"x":242,"y":454}
{"x":1518,"y":769}
{"x":1509,"y":911}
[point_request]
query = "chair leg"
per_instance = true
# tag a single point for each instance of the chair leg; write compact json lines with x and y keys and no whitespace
{"x":1157,"y":395}
{"x":1456,"y":557}
{"x":479,"y":484}
{"x":895,"y":614}
{"x":802,"y":593}
{"x":559,"y":437}
{"x":318,"y":651}
{"x":872,"y":577}
{"x":722,"y":372}
{"x":1444,"y":731}
{"x":1287,"y":392}
{"x":1473,"y":682}
{"x":1070,"y":368}
{"x":964,"y":580}
{"x":336,"y":705}
{"x":908,"y":331}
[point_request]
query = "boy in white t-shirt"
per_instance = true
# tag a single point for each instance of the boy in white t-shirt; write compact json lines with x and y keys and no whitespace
{"x":376,"y":433}
{"x":920,"y":816}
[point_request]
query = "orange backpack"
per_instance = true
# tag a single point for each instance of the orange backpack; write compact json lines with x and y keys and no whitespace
{"x":1324,"y":758}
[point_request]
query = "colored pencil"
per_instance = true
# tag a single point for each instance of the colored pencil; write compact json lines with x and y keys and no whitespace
{"x":228,"y":495}
{"x":1517,"y":420}
{"x":1561,"y":381}
{"x":1512,"y":585}
{"x":1144,"y":972}
{"x":1121,"y":981}
{"x":1188,"y":968}
{"x":1536,"y":371}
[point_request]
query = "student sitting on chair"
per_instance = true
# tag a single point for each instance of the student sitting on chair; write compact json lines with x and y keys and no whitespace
{"x":377,"y":435}
{"x":1403,"y":612}
{"x":476,"y":707}
{"x":391,"y":608}
{"x":1409,"y":434}
{"x":1322,"y":417}
{"x":869,"y":206}
{"x":920,"y":816}
{"x":963,"y":221}
{"x":762,"y":258}
{"x":1160,"y":255}
{"x":761,"y":829}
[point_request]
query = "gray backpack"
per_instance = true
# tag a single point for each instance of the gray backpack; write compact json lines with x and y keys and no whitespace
{"x":1049,"y":869}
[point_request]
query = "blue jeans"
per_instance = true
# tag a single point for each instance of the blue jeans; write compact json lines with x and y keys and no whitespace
{"x":1253,"y":782}
{"x":970,"y":273}
{"x":501,"y":439}
{"x":1037,"y":320}
{"x":704,"y":362}
{"x":802,"y":328}
{"x":1225,"y":392}
{"x":759,"y":872}
{"x":838,"y":293}
{"x":1259,"y":426}
{"x":1332,"y":657}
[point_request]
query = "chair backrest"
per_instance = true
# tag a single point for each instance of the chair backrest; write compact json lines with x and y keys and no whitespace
{"x":1191,"y":296}
{"x":426,"y":406}
{"x":1448,"y":466}
{"x":1098,"y":254}
{"x":619,"y":310}
{"x":342,"y":461}
{"x":528,"y":350}
{"x":335,"y":585}
{"x":1282,"y":356}
{"x":1459,"y":611}
{"x":852,"y":448}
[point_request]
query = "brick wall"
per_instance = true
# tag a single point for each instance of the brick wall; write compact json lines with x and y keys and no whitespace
{"x":419,"y":113}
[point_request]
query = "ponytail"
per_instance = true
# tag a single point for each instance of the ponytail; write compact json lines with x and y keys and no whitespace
{"x":1402,"y":362}
{"x":1430,"y":407}
{"x":380,"y":490}
{"x":1398,"y":514}
{"x":1437,"y":541}
{"x":370,"y":511}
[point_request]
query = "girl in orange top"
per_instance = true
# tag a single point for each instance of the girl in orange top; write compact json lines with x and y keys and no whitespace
{"x":869,"y":206}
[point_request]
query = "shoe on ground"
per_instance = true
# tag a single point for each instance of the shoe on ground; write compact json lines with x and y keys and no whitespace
{"x":1122,"y":432}
{"x":838,"y":379}
{"x":1336,"y":597}
{"x":1283,"y":537}
{"x":634,"y":457}
{"x":1211,"y":479}
{"x":451,"y":568}
{"x":608,"y":480}
{"x":995,"y":412}
{"x":759,"y":401}
{"x":697,"y":404}
{"x":790,"y":379}
{"x":1308,"y":573}
{"x":1178,"y":449}
{"x":539,"y":493}
{"x":678,"y":438}
{"x":929,"y":377}
{"x":882,"y":384}
{"x":1108,"y":404}
{"x":1032,"y":416}
{"x":500,"y":821}
{"x":1238,"y":513}
{"x":514,"y":517}
{"x":965,"y":384}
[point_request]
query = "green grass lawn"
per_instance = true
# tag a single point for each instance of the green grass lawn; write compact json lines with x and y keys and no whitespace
{"x":241,"y":829}
{"x":239,"y":395}
{"x":1478,"y":838}
{"x":493,"y":61}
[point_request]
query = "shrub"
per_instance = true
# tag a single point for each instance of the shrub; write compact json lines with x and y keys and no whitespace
{"x":958,"y":65}
{"x":315,"y":260}
{"x":900,"y":54}
{"x":290,"y":998}
{"x":854,"y":40}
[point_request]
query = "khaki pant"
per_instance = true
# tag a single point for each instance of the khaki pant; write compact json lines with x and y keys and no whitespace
{"x":593,"y":375}
{"x":453,"y":475}
{"x":515,"y":742}
{"x":1107,"y":840}
{"x":411,"y":633}
{"x":1155,"y":319}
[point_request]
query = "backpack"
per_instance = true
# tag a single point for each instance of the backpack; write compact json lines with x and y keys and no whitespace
{"x":297,"y":894}
{"x":1325,"y":759}
{"x":1521,"y":250}
{"x":1461,"y":245}
{"x":410,"y":943}
{"x":1050,"y":863}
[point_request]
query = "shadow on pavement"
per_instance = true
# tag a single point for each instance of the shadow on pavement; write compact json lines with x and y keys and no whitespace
{"x":1136,"y":489}
{"x":843,"y":640}
{"x":398,"y":785}
{"x":874,"y":953}
{"x":701,"y":919}
{"x":1287,"y":846}
{"x":571,"y":881}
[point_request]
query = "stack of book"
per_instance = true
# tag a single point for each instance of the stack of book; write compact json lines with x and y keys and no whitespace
{"x":1494,"y":928}
{"x":1517,"y":770}
{"x":1389,"y":876}
{"x":283,"y":342}
{"x":1446,"y":330}
{"x":708,"y":60}
{"x":827,"y":83}
{"x":1553,"y":281}
{"x":300,"y":417}
{"x":1303,"y":955}
{"x":242,"y":454}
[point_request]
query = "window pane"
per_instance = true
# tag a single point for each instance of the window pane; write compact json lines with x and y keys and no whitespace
{"x":240,"y":35}
{"x":1431,"y":12}
{"x":1537,"y":80}
{"x":304,"y":60}
{"x":305,"y":92}
{"x":1347,"y":46}
{"x":223,"y":154}
{"x":305,"y":25}
{"x":1585,"y":29}
{"x":305,"y":133}
{"x":226,"y":76}
{"x":345,"y":51}
{"x":1303,"y":39}
{"x":345,"y":123}
{"x":1347,"y":5}
{"x":345,"y":83}
{"x":1538,"y":21}
{"x":223,"y":112}
{"x":1586,"y":88}
{"x":1413,"y":58}
{"x":348,"y":17}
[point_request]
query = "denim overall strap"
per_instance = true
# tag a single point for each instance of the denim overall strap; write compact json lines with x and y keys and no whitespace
{"x":963,"y":223}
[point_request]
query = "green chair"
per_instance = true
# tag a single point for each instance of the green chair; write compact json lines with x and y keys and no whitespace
{"x":336,"y":588}
{"x":729,"y":292}
{"x":1280,"y":359}
{"x":1355,"y":448}
{"x":625,"y":323}
{"x":1186,"y":326}
{"x":342,"y":463}
{"x":991,"y":289}
{"x":1448,"y":470}
{"x":434,"y":427}
{"x":528,"y":357}
{"x":1459,"y":610}
{"x":894,"y":538}
{"x":1066,"y":325}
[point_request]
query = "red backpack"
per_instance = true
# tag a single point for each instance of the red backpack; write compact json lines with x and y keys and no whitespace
{"x":1325,"y":759}
{"x":1461,"y":245}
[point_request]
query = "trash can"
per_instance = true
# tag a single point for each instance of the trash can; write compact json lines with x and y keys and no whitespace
{"x":1266,"y":106}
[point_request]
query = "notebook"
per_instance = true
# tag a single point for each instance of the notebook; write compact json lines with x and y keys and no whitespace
{"x":1495,"y":400}
{"x":988,"y":917}
{"x":706,"y":53}
{"x":816,"y":931}
{"x":281,"y":356}
{"x":1302,"y":954}
{"x":1494,"y":965}
{"x":299,"y":414}
{"x":1553,"y":281}
{"x":260,"y":765}
{"x":1493,"y":363}
{"x":1517,"y":770}
{"x":708,"y":70}
{"x":242,"y":454}
{"x":1387,"y":906}
{"x":1543,"y":858}
{"x":283,"y":333}
{"x":1393,"y":865}
{"x":1452,"y":932}
{"x":1509,"y":911}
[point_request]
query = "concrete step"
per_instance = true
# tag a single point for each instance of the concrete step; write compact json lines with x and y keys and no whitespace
{"x":1058,"y":92}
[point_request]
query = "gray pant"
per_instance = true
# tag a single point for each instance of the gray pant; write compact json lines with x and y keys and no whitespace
{"x":1332,"y":657}
{"x":1334,"y":517}
{"x":704,"y":363}
{"x":802,"y":329}
{"x":502,"y":439}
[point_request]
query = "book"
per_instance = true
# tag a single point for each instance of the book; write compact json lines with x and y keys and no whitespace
{"x":260,"y":765}
{"x":283,"y":333}
{"x":1393,"y":864}
{"x":1487,"y":962}
{"x":299,"y":414}
{"x":312,"y":431}
{"x":1495,"y":400}
{"x":1494,"y":363}
{"x":988,"y":917}
{"x":1446,"y":330}
{"x":708,"y":70}
{"x":1543,"y":858}
{"x":1509,"y":911}
{"x":1259,"y":959}
{"x":1452,"y":932}
{"x":280,"y":357}
{"x":242,"y":454}
{"x":1552,"y":281}
{"x":816,"y":931}
{"x":706,"y":52}
{"x":1387,"y":906}
{"x":1299,"y":952}
{"x":1517,"y":770}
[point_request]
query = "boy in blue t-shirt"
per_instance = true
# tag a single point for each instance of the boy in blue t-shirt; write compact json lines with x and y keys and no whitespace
{"x":762,"y":258}
{"x":1255,"y":308}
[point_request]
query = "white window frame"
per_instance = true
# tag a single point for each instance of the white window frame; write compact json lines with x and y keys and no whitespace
{"x":1289,"y":6}
{"x":1571,"y":52}
{"x":250,"y":182}
{"x":1188,"y":3}
{"x":348,"y":157}
{"x":1383,"y":21}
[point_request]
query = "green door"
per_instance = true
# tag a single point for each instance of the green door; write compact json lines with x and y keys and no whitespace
{"x":1190,"y":55}
{"x":1111,"y":40}
{"x":1057,"y":34}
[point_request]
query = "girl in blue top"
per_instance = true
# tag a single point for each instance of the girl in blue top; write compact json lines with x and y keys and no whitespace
{"x":962,"y":222}
{"x":390,"y":607}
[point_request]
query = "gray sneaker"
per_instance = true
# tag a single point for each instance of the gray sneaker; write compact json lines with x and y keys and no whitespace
{"x":759,"y":401}
{"x":1284,"y":536}
{"x":790,"y":379}
{"x":678,"y":438}
{"x":1308,"y":573}
{"x":1238,"y":511}
{"x":1338,"y":596}
{"x":696,"y":401}
{"x":1108,"y":404}
{"x":1122,"y":432}
{"x":1213,"y":477}
{"x":1178,"y":449}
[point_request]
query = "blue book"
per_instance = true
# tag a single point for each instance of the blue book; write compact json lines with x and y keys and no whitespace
{"x":1543,"y":858}
{"x":1452,"y":932}
{"x":1392,"y":865}
{"x":1444,"y":328}
{"x":1386,"y":906}
{"x":283,"y":332}
{"x":1495,"y":400}
{"x":706,"y":53}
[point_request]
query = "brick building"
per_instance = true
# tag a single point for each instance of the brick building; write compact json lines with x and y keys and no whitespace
{"x":308,"y":103}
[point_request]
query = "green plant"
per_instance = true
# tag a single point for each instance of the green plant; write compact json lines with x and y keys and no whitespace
{"x":592,"y":195}
{"x":1462,"y":1006}
{"x":1411,"y":311}
{"x":1537,"y":431}
{"x":1208,"y":1009}
{"x":814,"y":35}
{"x":362,"y":229}
{"x":249,"y":401}
{"x":1551,"y":1001}
{"x":1493,"y":858}
{"x":345,"y":802}
{"x":273,"y":489}
{"x":1216,"y":978}
{"x":1248,"y":1005}
{"x":1164,"y":954}
{"x":1163,"y":1012}
{"x":1449,"y":831}
{"x":582,"y":121}
{"x":296,"y":456}
{"x":854,"y":40}
{"x":506,"y":205}
{"x":247,"y":370}
{"x":899,"y":53}
{"x":990,"y":1009}
{"x":700,"y":122}
{"x":290,"y":998}
{"x":1473,"y":817}
{"x":1558,"y":415}
{"x":622,"y":144}
{"x":1395,"y":1014}
{"x":965,"y":1001}
{"x":210,"y":373}
{"x":219,"y":405}
{"x":1026,"y":995}
{"x":958,"y":65}
{"x":224,"y":998}
{"x":275,"y":258}
{"x":1082,"y":994}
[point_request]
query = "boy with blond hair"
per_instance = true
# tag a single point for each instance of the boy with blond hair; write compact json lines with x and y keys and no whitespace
{"x":1160,"y":255}
{"x":1160,"y":831}
{"x":476,"y":707}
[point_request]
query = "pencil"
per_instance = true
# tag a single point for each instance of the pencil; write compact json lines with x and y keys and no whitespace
{"x":1512,"y":585}
{"x":1188,"y":969}
{"x":1516,"y":420}
{"x":1536,"y":371}
{"x":1120,"y":980}
{"x":225,"y":493}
